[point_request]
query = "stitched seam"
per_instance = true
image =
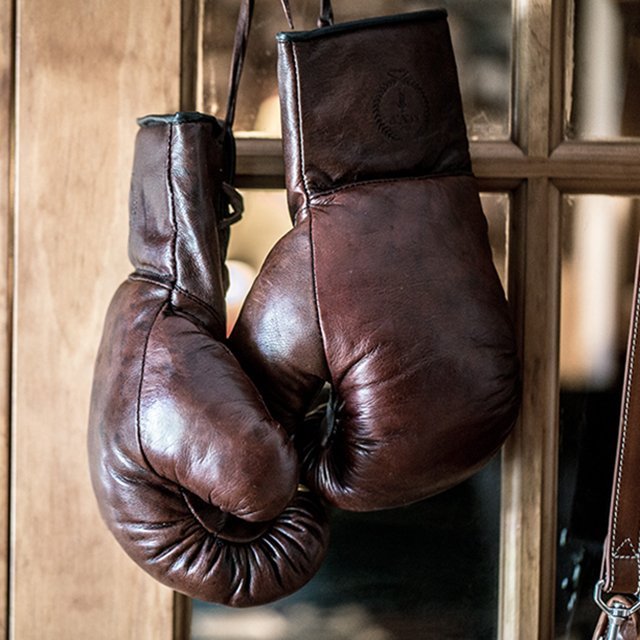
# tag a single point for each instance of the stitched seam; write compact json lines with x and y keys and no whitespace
{"x":622,"y":544}
{"x":162,"y":306}
{"x":140,"y":385}
{"x":139,"y":278}
{"x":175,"y":287}
{"x":310,"y":213}
{"x":301,"y":166}
{"x":172,"y":211}
{"x":316,"y":298}
{"x":427,"y":176}
{"x":258,"y":396}
{"x":625,"y":424}
{"x":196,"y":299}
{"x":637,"y":560}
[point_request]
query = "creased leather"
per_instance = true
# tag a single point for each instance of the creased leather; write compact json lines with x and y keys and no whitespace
{"x":385,"y":288}
{"x":193,"y":477}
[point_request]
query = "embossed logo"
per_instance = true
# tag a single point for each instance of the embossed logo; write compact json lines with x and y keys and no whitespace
{"x":401,"y":109}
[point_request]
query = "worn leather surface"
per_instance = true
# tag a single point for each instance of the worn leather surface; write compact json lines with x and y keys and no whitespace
{"x":194,"y":478}
{"x":629,"y":630}
{"x":385,"y":288}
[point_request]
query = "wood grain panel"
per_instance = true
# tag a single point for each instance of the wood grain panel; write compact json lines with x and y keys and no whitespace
{"x":6,"y":101}
{"x":529,"y":456}
{"x":85,"y":70}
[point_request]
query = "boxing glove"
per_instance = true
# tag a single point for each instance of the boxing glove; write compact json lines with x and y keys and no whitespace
{"x":385,"y":288}
{"x":192,"y":475}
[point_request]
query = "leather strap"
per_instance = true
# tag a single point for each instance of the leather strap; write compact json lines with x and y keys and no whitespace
{"x":238,"y":55}
{"x":620,"y":572}
{"x":621,"y":558}
{"x":326,"y":13}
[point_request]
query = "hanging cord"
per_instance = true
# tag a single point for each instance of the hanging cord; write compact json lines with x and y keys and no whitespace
{"x":240,"y":43}
{"x":326,"y":13}
{"x":234,"y":203}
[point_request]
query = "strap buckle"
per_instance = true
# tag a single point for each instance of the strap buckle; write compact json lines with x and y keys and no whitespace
{"x":617,"y":613}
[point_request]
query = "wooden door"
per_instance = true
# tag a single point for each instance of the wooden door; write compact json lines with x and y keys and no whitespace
{"x":75,"y":75}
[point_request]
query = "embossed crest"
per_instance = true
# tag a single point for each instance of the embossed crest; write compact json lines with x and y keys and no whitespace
{"x":401,"y":108}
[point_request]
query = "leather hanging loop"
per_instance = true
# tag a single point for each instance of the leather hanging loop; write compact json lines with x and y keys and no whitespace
{"x":240,"y":44}
{"x":287,"y":12}
{"x":326,"y":13}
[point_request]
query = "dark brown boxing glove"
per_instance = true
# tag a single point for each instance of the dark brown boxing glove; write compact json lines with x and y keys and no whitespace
{"x":385,"y":288}
{"x":193,"y":477}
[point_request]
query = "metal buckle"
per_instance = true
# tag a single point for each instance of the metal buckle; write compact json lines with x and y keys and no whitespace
{"x":618,"y":614}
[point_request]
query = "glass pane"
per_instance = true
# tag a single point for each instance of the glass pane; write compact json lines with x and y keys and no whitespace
{"x":481,"y":32}
{"x":599,"y":235}
{"x":604,"y":99}
{"x":425,"y":571}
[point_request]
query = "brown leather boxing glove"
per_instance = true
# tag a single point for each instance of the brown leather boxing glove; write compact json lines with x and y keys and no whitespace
{"x":192,"y":475}
{"x":385,"y":288}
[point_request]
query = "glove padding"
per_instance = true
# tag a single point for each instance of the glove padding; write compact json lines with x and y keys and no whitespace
{"x":385,"y":288}
{"x":194,"y":478}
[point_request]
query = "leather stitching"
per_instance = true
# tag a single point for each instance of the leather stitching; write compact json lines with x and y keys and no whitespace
{"x":626,"y":543}
{"x":172,"y":213}
{"x":161,"y":307}
{"x":301,"y":167}
{"x":198,"y":300}
{"x":309,"y":213}
{"x":623,"y":441}
{"x":427,"y":176}
{"x":174,"y":240}
{"x":143,"y":366}
{"x":136,"y":277}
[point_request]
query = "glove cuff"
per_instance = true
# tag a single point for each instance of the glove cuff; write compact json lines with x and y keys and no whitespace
{"x":178,"y":211}
{"x":367,"y":100}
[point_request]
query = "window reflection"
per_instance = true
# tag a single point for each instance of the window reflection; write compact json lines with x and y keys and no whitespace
{"x":481,"y":32}
{"x":604,"y":100}
{"x":599,"y":235}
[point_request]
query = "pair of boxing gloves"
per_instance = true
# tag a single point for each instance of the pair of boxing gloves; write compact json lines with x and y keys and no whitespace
{"x":384,"y":291}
